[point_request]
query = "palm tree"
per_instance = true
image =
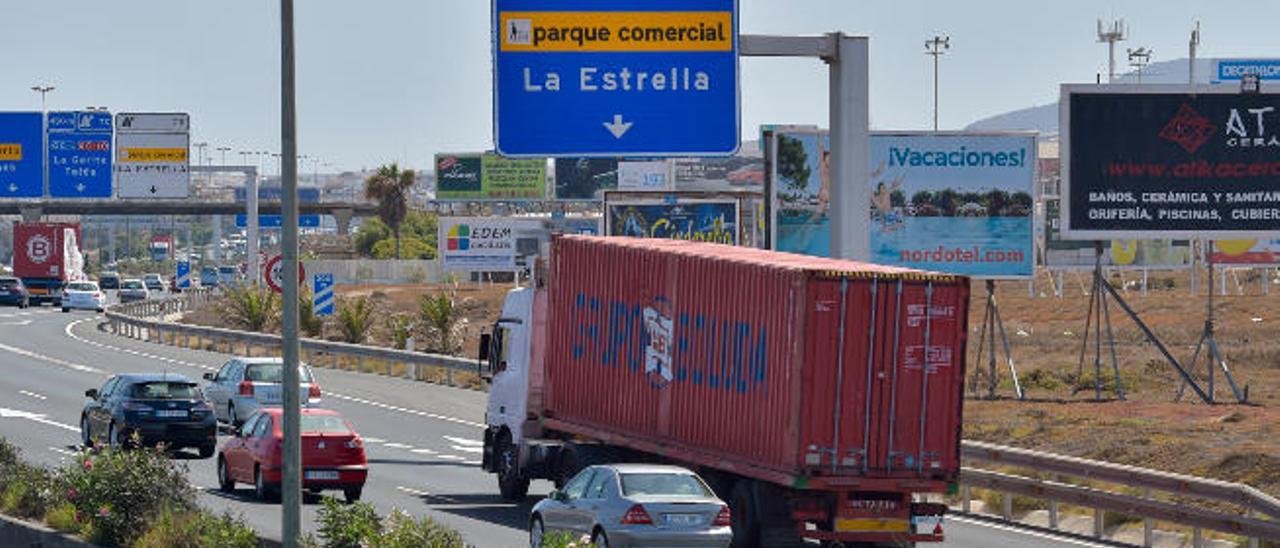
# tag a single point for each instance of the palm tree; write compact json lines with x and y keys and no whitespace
{"x":390,"y":187}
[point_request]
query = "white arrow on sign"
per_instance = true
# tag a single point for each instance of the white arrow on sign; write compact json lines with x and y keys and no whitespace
{"x":80,"y":188}
{"x":13,"y":187}
{"x":618,"y":128}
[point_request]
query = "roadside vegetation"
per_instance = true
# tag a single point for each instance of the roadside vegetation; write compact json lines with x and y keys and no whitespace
{"x":137,"y":498}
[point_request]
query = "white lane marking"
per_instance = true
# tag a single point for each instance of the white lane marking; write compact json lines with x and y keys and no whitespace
{"x":55,"y":361}
{"x":397,"y":446}
{"x":393,"y":408}
{"x":62,"y":451}
{"x":464,"y":441}
{"x":370,"y":439}
{"x":423,"y":451}
{"x":450,"y":457}
{"x":32,"y":395}
{"x":414,"y":492}
{"x":23,"y":322}
{"x":1007,"y":529}
{"x":6,"y":413}
{"x":472,"y":462}
{"x":464,"y":449}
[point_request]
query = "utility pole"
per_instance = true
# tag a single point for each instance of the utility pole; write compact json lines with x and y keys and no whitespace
{"x":1117,"y":32}
{"x":291,"y":483}
{"x":936,"y":47}
{"x":1194,"y":44}
{"x":44,"y":134}
{"x":1139,"y":59}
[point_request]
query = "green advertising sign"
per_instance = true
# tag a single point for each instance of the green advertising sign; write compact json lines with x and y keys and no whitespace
{"x":489,"y":177}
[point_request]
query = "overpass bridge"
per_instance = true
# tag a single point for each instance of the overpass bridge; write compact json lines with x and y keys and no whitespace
{"x":33,"y":210}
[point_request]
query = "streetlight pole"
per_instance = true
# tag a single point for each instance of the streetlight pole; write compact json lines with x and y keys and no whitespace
{"x":43,"y":91}
{"x":224,"y":151}
{"x":44,"y":135}
{"x":292,"y":480}
{"x":936,"y":47}
{"x":1138,"y":59}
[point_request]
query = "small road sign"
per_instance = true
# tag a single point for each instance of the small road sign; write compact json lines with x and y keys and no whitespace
{"x":323,"y":303}
{"x":184,"y":275}
{"x":274,"y":280}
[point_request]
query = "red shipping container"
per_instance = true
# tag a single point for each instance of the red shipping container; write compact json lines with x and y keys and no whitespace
{"x":38,"y":249}
{"x":794,"y":369}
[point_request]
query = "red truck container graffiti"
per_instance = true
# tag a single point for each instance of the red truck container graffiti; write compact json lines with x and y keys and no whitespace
{"x":817,"y":395}
{"x":46,"y":256}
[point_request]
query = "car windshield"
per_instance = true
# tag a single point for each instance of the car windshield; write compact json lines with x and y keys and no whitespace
{"x":132,"y":284}
{"x":272,"y":372}
{"x":324,"y":424}
{"x":227,"y":270}
{"x":82,"y":286}
{"x":153,"y":276}
{"x":165,"y":390}
{"x":664,"y":485}
{"x":6,"y":284}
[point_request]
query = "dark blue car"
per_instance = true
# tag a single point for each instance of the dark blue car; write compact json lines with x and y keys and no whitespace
{"x":13,"y":293}
{"x":149,"y":409}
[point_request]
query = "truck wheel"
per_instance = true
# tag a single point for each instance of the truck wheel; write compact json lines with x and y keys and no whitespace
{"x":575,"y":458}
{"x":746,"y":529}
{"x":513,"y":485}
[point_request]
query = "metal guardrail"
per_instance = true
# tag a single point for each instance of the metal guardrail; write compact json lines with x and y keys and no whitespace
{"x":145,"y":320}
{"x":1177,"y":486}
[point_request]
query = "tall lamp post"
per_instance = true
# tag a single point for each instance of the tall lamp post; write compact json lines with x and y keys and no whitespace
{"x":43,"y":91}
{"x":44,"y":134}
{"x":1139,"y":59}
{"x":224,"y":151}
{"x":936,"y":47}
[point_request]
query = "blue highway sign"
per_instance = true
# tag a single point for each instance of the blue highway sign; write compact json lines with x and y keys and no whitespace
{"x":21,"y":158}
{"x":322,"y":303}
{"x":80,"y":154}
{"x":277,"y":221}
{"x":609,"y":78}
{"x":184,"y":275}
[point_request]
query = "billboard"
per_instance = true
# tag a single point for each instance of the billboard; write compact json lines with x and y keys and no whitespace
{"x":1246,"y":252}
{"x":644,"y":175}
{"x":489,"y":177}
{"x":478,"y":243}
{"x":800,"y":184}
{"x":1162,"y":162}
{"x":1059,"y":254}
{"x":960,"y":203}
{"x":696,"y":220}
{"x":585,"y":178}
{"x":708,"y":174}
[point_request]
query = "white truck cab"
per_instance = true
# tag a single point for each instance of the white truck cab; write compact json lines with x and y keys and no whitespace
{"x":511,"y":354}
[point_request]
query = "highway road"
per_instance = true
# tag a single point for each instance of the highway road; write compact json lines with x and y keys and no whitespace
{"x":423,"y":440}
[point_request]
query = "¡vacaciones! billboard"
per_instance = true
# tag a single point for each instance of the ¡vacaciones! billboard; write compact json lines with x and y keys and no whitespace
{"x":489,"y":177}
{"x":960,"y":203}
{"x":1168,"y":162}
{"x":799,"y":180}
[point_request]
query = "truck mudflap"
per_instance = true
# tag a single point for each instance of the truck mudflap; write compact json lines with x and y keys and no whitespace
{"x":875,"y":517}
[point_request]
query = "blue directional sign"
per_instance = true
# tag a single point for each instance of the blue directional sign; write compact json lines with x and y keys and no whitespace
{"x":322,"y":305}
{"x":184,"y":275}
{"x":610,"y":78}
{"x":277,"y":221}
{"x":80,"y":154}
{"x":21,"y":158}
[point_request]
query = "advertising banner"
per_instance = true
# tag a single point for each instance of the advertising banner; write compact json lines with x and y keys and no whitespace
{"x":960,"y":203}
{"x":1246,"y":252}
{"x":1160,"y":162}
{"x":696,"y":220}
{"x":800,"y":176}
{"x":489,"y":177}
{"x":585,"y":178}
{"x":481,"y":243}
{"x":1059,"y":254}
{"x":732,"y":173}
{"x":644,"y":175}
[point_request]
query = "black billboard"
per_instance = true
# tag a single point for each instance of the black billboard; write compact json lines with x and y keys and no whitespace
{"x":1171,"y":164}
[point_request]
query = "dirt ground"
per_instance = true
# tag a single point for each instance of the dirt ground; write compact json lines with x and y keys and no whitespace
{"x":1225,"y":441}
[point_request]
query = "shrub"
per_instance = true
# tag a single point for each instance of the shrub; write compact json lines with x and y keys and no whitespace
{"x":197,"y":530}
{"x":440,"y":314}
{"x":28,"y":493}
{"x":347,"y":526}
{"x":355,"y":319}
{"x":400,"y":530}
{"x":308,"y":322}
{"x":251,"y":307}
{"x":62,"y":518}
{"x":400,"y":327}
{"x":8,"y":455}
{"x":117,"y":493}
{"x":563,"y":539}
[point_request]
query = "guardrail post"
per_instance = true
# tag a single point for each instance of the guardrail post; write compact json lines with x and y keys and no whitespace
{"x":1098,"y":529}
{"x":411,"y":371}
{"x":359,"y":364}
{"x":337,"y":362}
{"x":1197,"y":536}
{"x":966,"y":495}
{"x":1006,"y":505}
{"x":1253,"y":541}
{"x":448,"y":376}
{"x":1147,"y":525}
{"x":391,"y":364}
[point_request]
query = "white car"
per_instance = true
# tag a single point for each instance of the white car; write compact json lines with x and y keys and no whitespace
{"x":83,"y":296}
{"x":244,"y":385}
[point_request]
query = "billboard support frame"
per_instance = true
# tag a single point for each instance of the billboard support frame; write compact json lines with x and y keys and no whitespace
{"x":1213,"y":356}
{"x":991,"y":320}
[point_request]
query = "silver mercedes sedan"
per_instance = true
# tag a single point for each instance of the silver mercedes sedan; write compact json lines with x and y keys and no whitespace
{"x":632,"y":506}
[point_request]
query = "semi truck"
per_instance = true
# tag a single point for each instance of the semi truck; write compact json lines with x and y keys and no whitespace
{"x":821,"y":398}
{"x":46,"y":256}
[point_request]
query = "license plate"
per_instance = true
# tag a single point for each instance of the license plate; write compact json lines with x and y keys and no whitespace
{"x":320,"y":475}
{"x":683,"y":519}
{"x":878,"y":525}
{"x":172,"y":413}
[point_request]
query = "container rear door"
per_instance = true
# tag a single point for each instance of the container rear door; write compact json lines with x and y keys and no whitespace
{"x":919,"y":390}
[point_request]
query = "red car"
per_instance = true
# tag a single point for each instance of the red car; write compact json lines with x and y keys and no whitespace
{"x":332,"y":455}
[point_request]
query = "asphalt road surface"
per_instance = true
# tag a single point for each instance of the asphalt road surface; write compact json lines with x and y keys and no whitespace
{"x":423,"y":440}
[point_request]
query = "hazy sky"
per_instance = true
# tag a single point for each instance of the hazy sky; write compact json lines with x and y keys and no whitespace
{"x":399,"y":80}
